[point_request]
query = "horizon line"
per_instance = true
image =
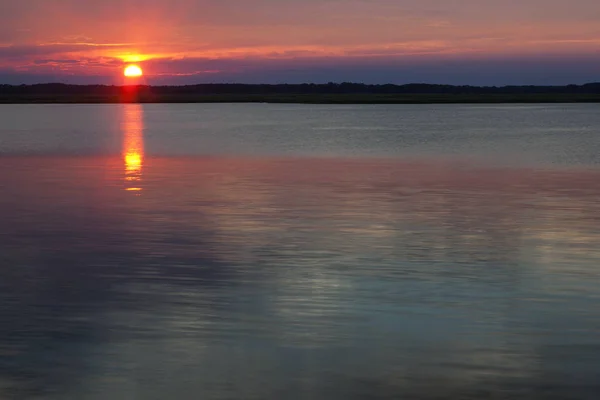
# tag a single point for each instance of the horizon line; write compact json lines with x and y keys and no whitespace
{"x":294,"y":84}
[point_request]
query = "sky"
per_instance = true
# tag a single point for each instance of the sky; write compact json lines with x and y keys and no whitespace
{"x":478,"y":42}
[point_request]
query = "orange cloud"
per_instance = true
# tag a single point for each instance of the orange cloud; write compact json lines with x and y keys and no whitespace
{"x":36,"y":35}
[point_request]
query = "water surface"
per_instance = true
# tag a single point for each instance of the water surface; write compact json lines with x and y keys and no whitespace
{"x":302,"y":252}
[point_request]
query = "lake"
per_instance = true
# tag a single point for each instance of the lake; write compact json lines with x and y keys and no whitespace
{"x":257,"y":251}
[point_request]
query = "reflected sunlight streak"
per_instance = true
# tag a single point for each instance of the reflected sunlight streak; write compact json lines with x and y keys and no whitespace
{"x":133,"y":145}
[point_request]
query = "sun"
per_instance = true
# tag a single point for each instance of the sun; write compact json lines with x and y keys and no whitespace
{"x":133,"y":71}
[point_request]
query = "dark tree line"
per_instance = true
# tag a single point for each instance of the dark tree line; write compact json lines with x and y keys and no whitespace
{"x":291,"y":89}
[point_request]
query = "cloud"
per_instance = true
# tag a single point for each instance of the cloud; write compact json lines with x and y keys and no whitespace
{"x":25,"y":51}
{"x":165,"y":34}
{"x":59,"y":61}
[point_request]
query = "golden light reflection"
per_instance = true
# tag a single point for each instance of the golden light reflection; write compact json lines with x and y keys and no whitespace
{"x":133,"y":145}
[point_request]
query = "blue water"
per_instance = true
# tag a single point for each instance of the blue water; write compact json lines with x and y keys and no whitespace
{"x":301,"y":252}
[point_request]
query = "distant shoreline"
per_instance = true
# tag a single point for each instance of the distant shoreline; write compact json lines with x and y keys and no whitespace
{"x":314,"y":99}
{"x":344,"y":93}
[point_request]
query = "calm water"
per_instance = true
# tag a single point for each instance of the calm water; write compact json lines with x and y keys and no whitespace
{"x":299,"y":252}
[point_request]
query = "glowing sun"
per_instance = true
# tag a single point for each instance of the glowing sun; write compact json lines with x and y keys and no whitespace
{"x":133,"y":71}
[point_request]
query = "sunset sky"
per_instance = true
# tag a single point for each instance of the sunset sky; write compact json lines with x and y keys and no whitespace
{"x":273,"y":41}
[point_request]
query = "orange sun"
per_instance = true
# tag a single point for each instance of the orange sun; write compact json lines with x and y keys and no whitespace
{"x":133,"y":71}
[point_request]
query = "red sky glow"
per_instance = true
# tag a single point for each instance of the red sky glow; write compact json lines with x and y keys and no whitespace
{"x":208,"y":40}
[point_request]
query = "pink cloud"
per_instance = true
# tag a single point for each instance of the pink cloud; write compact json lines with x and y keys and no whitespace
{"x":96,"y":37}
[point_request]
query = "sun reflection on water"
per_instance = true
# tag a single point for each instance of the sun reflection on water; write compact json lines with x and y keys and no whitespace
{"x":133,"y":145}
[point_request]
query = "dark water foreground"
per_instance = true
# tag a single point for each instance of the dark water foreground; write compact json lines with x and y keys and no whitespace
{"x":299,"y":252}
{"x":137,"y":277}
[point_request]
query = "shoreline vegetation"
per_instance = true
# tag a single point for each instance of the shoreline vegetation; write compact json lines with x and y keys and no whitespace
{"x":331,"y":93}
